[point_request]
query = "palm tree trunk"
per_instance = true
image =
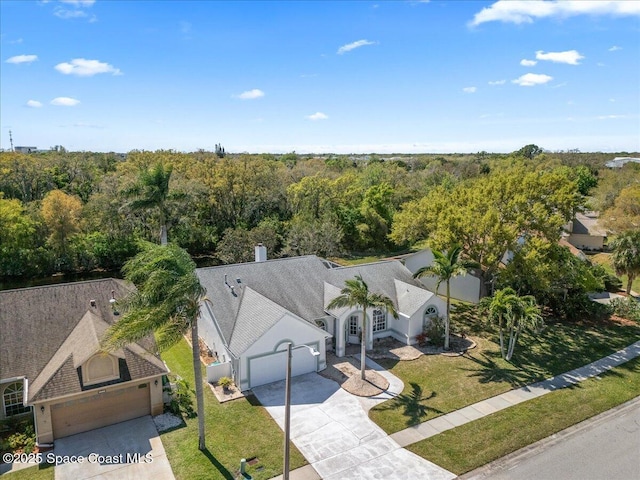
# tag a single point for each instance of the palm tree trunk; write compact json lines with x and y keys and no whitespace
{"x":197,"y":368}
{"x":163,"y":235}
{"x":446,"y":323}
{"x":630,"y":279}
{"x":363,"y":344}
{"x":501,"y":328}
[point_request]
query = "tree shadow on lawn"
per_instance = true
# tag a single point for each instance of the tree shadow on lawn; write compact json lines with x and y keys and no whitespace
{"x":493,"y":369}
{"x":412,"y":404}
{"x":214,"y":461}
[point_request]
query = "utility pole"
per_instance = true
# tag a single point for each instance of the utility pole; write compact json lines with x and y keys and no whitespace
{"x":10,"y":140}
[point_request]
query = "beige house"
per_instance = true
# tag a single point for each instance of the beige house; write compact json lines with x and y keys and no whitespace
{"x":52,"y":367}
{"x":583,"y":232}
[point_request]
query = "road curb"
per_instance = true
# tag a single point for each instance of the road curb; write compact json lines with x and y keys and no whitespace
{"x":508,"y":461}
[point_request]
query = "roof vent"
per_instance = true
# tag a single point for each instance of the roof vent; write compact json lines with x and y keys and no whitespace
{"x":92,"y":303}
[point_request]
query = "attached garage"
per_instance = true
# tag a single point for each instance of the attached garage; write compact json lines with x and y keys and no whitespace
{"x":99,"y":410}
{"x":271,"y":368}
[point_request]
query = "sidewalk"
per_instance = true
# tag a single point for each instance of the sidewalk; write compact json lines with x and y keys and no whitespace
{"x":513,"y":397}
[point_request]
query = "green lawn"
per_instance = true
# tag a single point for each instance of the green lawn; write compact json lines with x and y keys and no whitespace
{"x":605,"y":260}
{"x":474,"y":444}
{"x":39,"y":472}
{"x":435,"y":384}
{"x":234,"y":430}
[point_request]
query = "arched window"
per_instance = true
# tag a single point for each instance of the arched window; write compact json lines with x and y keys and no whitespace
{"x":12,"y":399}
{"x":321,"y":324}
{"x":430,"y":313}
{"x":379,"y":320}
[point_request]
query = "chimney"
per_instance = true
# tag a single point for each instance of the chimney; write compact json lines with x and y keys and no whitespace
{"x":261,"y":253}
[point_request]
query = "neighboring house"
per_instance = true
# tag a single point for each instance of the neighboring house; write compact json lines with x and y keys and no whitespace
{"x":256,"y":308}
{"x":584,"y":233}
{"x":51,"y":365}
{"x":26,"y":149}
{"x":463,"y":287}
{"x":620,"y":162}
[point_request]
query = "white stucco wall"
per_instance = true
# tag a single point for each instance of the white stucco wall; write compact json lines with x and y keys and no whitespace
{"x":464,"y":287}
{"x":586,"y":242}
{"x":263,"y":351}
{"x":211,"y":336}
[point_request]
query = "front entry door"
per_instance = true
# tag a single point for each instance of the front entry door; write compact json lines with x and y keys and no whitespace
{"x":353,"y":330}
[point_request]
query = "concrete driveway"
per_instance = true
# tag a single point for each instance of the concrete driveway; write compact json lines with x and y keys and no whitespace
{"x":331,"y":429}
{"x":127,"y":450}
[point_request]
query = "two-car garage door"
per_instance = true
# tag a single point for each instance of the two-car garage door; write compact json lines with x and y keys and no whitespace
{"x":271,"y":368}
{"x":99,"y":410}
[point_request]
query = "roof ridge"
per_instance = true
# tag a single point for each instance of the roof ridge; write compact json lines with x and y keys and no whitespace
{"x":63,"y":284}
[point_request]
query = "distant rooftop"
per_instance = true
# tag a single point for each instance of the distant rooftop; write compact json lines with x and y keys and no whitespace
{"x":619,"y":162}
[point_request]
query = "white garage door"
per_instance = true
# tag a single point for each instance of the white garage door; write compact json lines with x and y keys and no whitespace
{"x":271,"y":368}
{"x":100,"y":410}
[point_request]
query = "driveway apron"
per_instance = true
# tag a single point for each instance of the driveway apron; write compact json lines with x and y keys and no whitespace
{"x":128,"y":450}
{"x":332,"y":430}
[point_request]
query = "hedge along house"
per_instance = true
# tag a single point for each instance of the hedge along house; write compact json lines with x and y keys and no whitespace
{"x":51,"y":364}
{"x":258,"y":307}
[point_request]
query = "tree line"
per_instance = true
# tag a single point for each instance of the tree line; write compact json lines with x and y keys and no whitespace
{"x":80,"y":211}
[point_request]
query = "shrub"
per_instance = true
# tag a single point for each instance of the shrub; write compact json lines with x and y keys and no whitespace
{"x":182,"y":399}
{"x":626,"y":308}
{"x":225,"y":382}
{"x":23,"y":439}
{"x":435,"y":332}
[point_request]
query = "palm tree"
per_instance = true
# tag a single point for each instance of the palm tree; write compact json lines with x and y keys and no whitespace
{"x":523,"y":313}
{"x":167,"y":302}
{"x":498,"y":307}
{"x":356,"y":294}
{"x":626,"y":256}
{"x":151,"y":192}
{"x":445,"y":266}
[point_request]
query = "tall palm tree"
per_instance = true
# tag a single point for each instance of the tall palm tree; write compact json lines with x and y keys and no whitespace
{"x":151,"y":192}
{"x":445,"y":266}
{"x":497,"y":308}
{"x":626,"y":256}
{"x":522,"y":313}
{"x":167,"y":302}
{"x":356,"y":294}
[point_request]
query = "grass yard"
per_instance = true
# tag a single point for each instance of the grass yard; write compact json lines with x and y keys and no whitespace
{"x":39,"y":472}
{"x":477,"y":443}
{"x":435,"y":384}
{"x":234,"y":430}
{"x":604,"y":259}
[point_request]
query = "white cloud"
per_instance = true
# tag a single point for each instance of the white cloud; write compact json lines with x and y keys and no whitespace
{"x":352,"y":46}
{"x":611,"y":117}
{"x":497,"y":82}
{"x":86,"y":68}
{"x":67,"y":14}
{"x":65,"y":102}
{"x":527,"y":63}
{"x":531,"y":79}
{"x":526,"y":11}
{"x":615,"y":48}
{"x":469,"y":89}
{"x":317,"y":116}
{"x":79,"y":3}
{"x":16,"y":41}
{"x":34,"y":104}
{"x":571,"y":57}
{"x":22,"y":59}
{"x":251,"y":94}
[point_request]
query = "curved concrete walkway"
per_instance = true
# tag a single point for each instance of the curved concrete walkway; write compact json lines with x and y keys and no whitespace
{"x":332,"y":430}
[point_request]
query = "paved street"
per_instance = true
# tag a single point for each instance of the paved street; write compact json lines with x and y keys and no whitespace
{"x":604,"y":448}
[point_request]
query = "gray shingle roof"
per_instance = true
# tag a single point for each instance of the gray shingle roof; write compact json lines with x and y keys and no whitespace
{"x":47,"y":332}
{"x":301,"y":285}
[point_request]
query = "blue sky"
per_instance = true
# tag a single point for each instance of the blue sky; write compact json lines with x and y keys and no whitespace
{"x":341,"y":77}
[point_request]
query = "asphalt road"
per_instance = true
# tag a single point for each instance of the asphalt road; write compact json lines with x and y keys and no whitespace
{"x":604,"y":448}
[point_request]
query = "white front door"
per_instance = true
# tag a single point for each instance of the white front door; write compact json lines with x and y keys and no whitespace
{"x":353,"y":326}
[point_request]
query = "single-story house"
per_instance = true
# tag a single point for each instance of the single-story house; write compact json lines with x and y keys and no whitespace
{"x":258,"y":307}
{"x":583,"y":232}
{"x":52,"y":366}
{"x":463,"y":287}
